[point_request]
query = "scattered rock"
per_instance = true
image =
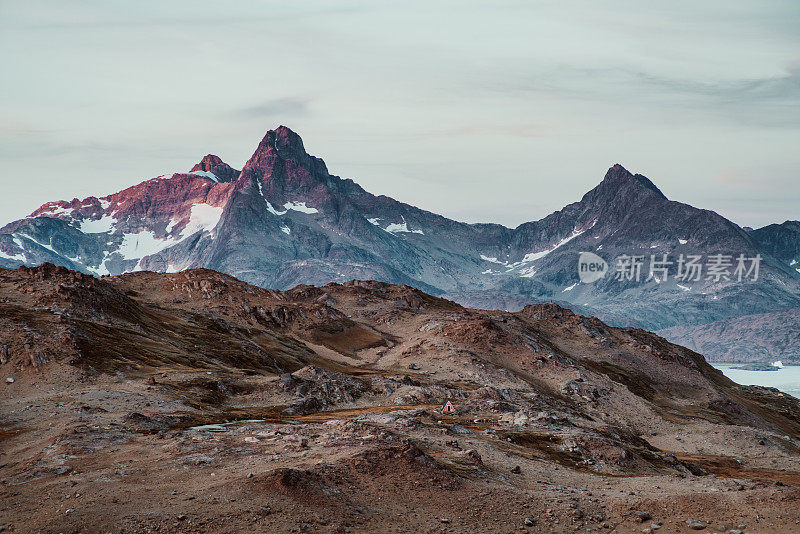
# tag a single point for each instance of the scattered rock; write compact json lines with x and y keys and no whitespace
{"x":529,"y":522}
{"x":695,"y":525}
{"x":9,"y":380}
{"x":288,"y":382}
{"x":473,"y":456}
{"x":304,"y":406}
{"x":643,"y":516}
{"x":413,"y":366}
{"x":516,"y":470}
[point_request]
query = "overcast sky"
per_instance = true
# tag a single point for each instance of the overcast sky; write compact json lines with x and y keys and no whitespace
{"x":497,"y":111}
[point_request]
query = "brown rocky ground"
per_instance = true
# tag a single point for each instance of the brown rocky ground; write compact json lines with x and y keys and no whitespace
{"x":193,"y":402}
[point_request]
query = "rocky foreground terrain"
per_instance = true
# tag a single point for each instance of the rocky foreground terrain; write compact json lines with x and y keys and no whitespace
{"x":193,"y":402}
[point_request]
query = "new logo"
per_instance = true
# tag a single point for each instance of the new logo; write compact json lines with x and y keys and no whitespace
{"x":591,"y":267}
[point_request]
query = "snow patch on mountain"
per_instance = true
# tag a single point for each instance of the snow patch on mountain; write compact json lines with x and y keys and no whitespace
{"x":43,"y":245}
{"x":285,"y":229}
{"x":15,"y":257}
{"x":683,"y":241}
{"x":271,"y":209}
{"x":533,"y":256}
{"x":145,"y":243}
{"x":20,"y":256}
{"x":206,"y":174}
{"x":100,"y":270}
{"x":261,"y":192}
{"x":493,"y":260}
{"x":395,"y":228}
{"x":299,"y":206}
{"x":203,"y":217}
{"x":570,"y":288}
{"x":295,"y":206}
{"x":104,"y":224}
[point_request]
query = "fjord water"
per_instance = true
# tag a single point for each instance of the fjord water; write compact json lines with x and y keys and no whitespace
{"x":786,"y":379}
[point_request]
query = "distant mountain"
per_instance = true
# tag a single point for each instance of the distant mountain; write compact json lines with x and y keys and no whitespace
{"x":285,"y":220}
{"x":763,"y":337}
{"x":782,"y":241}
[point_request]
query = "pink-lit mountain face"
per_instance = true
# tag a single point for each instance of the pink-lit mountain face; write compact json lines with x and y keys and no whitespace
{"x":285,"y":220}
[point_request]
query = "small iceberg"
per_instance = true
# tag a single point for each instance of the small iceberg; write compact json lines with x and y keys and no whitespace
{"x":778,"y":364}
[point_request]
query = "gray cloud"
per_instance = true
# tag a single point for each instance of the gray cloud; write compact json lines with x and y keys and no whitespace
{"x":771,"y":101}
{"x":274,"y":108}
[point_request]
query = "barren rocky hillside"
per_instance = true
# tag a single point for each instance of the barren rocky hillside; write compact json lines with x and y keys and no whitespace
{"x":195,"y":402}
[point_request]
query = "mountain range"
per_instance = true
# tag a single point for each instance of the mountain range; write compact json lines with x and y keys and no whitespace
{"x":284,"y":220}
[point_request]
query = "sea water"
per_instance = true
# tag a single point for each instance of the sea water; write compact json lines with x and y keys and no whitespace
{"x":786,"y":379}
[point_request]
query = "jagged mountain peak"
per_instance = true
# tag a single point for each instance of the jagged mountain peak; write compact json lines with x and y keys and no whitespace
{"x":280,"y":163}
{"x":285,"y":138}
{"x":619,"y":175}
{"x":213,"y":164}
{"x":619,"y":184}
{"x":208,"y":162}
{"x":281,"y":143}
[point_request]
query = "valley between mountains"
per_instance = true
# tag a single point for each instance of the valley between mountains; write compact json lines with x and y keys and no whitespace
{"x":196,"y":402}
